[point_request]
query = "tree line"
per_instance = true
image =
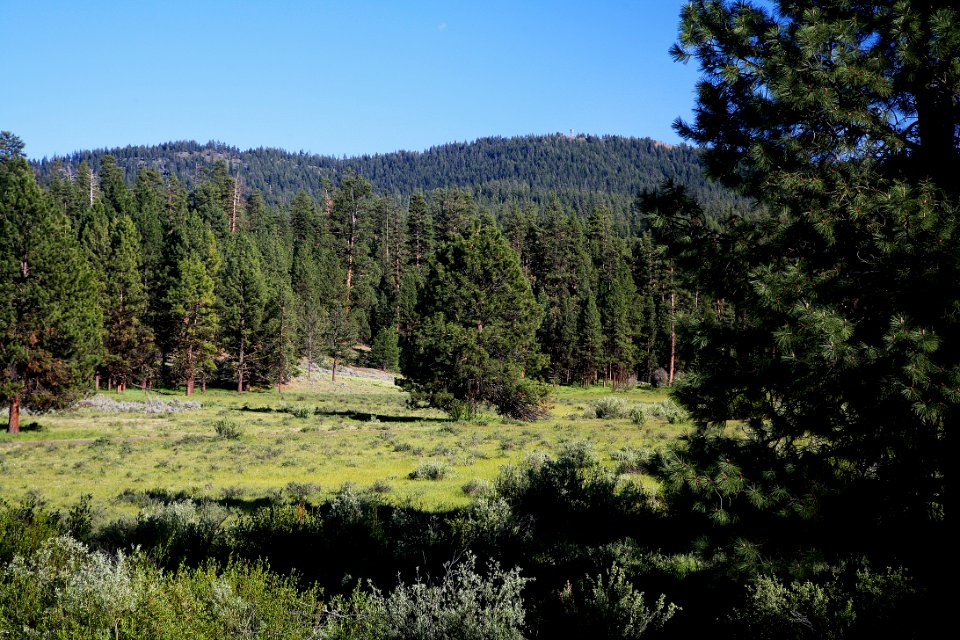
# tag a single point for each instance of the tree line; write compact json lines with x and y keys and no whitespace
{"x":211,"y":285}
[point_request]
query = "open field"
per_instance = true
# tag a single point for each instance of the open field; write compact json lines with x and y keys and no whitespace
{"x":304,"y":443}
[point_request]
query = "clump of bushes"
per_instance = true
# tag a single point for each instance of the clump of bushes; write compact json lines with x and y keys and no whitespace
{"x":669,"y":411}
{"x":464,"y":604}
{"x":151,"y":405}
{"x":430,"y":470}
{"x":609,"y":407}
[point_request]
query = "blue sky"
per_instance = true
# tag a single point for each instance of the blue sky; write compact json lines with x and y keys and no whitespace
{"x":336,"y":78}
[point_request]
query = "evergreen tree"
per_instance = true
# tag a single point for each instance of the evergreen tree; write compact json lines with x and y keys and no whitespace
{"x":338,"y":336}
{"x":49,"y":320}
{"x":128,"y":340}
{"x":476,"y":338}
{"x":842,"y":119}
{"x":590,"y":346}
{"x":385,"y":351}
{"x":351,"y":228}
{"x":242,"y":295}
{"x":113,"y":187}
{"x":192,"y":303}
{"x":453,"y":212}
{"x":420,"y":230}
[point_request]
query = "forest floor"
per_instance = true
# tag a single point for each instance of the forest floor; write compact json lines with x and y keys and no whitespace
{"x":307,"y":440}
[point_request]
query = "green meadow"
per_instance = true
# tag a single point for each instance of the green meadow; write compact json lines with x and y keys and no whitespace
{"x":307,"y":442}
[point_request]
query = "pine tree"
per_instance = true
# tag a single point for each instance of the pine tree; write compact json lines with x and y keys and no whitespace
{"x":420,"y":230}
{"x":192,"y":303}
{"x":590,"y":346}
{"x":351,"y":220}
{"x":385,"y":350}
{"x":842,"y":119}
{"x":476,"y":338}
{"x":49,"y":319}
{"x":128,"y":340}
{"x":338,"y":336}
{"x":242,"y":295}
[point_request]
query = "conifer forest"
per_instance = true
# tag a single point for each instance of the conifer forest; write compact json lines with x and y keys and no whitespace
{"x":702,"y":389}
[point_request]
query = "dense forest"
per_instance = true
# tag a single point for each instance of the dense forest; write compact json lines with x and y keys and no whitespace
{"x":814,"y":320}
{"x":212,"y":284}
{"x":582,"y":171}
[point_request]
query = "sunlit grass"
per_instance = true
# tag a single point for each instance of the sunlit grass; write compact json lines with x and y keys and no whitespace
{"x":314,"y":435}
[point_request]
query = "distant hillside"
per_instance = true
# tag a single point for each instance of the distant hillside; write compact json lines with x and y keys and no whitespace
{"x":582,"y":170}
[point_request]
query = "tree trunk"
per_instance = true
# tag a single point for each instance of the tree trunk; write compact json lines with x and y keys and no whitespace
{"x":240,"y":369}
{"x":96,"y":382}
{"x":333,"y":371}
{"x":190,"y":383}
{"x":673,"y":335}
{"x":13,"y":425}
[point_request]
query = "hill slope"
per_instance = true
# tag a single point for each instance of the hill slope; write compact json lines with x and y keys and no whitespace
{"x":583,"y":170}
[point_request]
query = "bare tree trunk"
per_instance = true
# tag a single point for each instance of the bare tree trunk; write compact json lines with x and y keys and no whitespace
{"x":190,"y":371}
{"x":673,"y":335}
{"x":13,"y":424}
{"x":236,"y":204}
{"x":96,"y":382}
{"x":333,"y":371}
{"x":240,"y":369}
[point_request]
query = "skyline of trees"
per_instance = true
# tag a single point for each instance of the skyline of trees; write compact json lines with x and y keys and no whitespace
{"x":212,"y":285}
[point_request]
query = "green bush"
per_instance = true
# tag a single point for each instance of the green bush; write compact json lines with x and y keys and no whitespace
{"x":464,"y":605}
{"x":227,"y":430}
{"x":609,"y":407}
{"x":638,"y":415}
{"x":669,"y":411}
{"x":430,"y":470}
{"x":609,"y":606}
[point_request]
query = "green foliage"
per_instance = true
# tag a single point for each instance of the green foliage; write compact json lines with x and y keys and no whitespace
{"x":430,"y":470}
{"x":843,"y":605}
{"x":476,"y":337}
{"x":610,"y":407}
{"x":49,"y":319}
{"x":824,"y":338}
{"x":227,"y":430}
{"x":609,"y":607}
{"x":464,"y":604}
{"x":385,"y":352}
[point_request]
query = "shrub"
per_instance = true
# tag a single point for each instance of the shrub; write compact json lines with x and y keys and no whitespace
{"x":669,"y":411}
{"x":300,"y":491}
{"x":609,"y":606}
{"x":638,"y":415}
{"x":301,"y":411}
{"x":430,"y":470}
{"x":631,"y":460}
{"x":227,"y":430}
{"x":477,"y":487}
{"x":609,"y":407}
{"x":464,"y":605}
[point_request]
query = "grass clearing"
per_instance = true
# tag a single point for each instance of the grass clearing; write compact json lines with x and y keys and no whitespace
{"x":304,"y":443}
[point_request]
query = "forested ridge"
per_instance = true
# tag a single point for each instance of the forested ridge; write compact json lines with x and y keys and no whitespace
{"x":582,"y":170}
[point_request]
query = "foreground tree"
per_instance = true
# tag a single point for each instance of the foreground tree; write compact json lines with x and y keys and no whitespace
{"x":49,"y":319}
{"x":842,"y":119}
{"x":476,"y":337}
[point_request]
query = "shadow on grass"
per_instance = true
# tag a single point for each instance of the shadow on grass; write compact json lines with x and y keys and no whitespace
{"x":363,"y":416}
{"x":148,"y":497}
{"x":360,"y":416}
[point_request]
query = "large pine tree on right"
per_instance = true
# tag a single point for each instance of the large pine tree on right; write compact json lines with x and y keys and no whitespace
{"x":833,"y":334}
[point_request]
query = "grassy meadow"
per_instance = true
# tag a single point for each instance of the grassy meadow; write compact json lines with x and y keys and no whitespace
{"x":305,"y":442}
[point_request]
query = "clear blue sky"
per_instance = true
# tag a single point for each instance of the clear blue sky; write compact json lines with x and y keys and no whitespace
{"x":336,"y":78}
